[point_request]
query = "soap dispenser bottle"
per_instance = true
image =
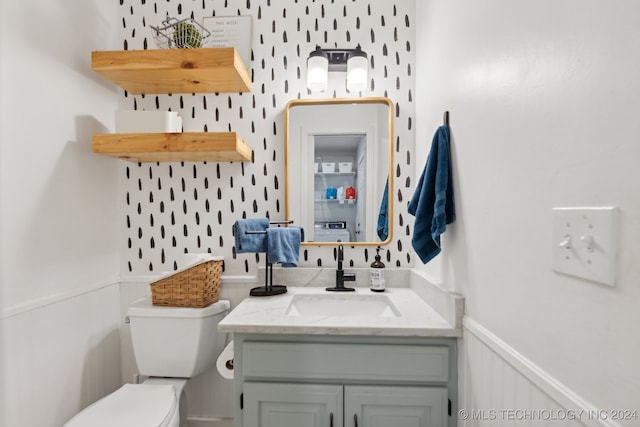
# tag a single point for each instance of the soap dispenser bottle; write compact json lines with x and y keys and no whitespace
{"x":376,"y":274}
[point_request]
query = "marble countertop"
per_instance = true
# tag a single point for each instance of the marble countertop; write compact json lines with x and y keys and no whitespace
{"x":412,"y":317}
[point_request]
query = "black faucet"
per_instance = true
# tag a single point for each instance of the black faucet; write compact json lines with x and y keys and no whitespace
{"x":341,"y":276}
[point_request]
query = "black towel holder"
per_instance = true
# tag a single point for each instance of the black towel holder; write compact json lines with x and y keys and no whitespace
{"x":445,"y":118}
{"x":269,"y":288}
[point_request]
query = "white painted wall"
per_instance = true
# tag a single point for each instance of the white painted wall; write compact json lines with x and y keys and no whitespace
{"x":2,"y":399}
{"x":59,"y":200}
{"x":543,"y":99}
{"x":59,"y":213}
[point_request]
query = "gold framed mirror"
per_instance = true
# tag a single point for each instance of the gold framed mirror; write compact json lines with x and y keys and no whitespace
{"x":339,"y":170}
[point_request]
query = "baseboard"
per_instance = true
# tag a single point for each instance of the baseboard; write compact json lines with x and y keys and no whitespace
{"x":538,"y":377}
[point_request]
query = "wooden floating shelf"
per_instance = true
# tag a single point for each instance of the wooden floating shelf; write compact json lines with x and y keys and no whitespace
{"x":162,"y":71}
{"x":173,"y":147}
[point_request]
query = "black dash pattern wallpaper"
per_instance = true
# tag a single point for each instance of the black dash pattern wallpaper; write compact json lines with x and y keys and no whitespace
{"x":173,"y":208}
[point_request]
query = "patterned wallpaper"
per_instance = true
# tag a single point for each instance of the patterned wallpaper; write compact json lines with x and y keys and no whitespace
{"x":172,"y":208}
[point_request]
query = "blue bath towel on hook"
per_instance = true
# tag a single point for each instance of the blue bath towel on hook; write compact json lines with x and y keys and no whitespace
{"x":250,"y":243}
{"x":432,"y":203}
{"x":383,"y":214}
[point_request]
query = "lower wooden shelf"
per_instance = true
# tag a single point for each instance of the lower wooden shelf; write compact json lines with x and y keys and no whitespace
{"x":173,"y":147}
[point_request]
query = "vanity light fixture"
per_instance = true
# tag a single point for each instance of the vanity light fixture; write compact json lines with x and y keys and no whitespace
{"x":317,"y":70}
{"x":357,"y":70}
{"x":353,"y":61}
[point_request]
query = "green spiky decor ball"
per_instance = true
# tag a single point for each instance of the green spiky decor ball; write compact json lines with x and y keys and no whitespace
{"x":186,"y":35}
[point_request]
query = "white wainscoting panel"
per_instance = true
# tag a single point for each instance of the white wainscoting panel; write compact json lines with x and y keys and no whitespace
{"x":60,"y":356}
{"x":499,"y":386}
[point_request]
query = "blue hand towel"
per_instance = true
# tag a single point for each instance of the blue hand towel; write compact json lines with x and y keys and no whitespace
{"x":383,"y":220}
{"x":284,"y":245}
{"x":250,"y":242}
{"x":432,"y":203}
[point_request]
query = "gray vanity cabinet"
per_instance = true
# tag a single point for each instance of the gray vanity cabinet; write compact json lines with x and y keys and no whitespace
{"x":292,"y":405}
{"x":393,"y":406}
{"x":314,"y":405}
{"x":325,"y":381}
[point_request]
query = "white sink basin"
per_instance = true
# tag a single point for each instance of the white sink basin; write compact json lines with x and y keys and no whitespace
{"x":312,"y":310}
{"x":341,"y":305}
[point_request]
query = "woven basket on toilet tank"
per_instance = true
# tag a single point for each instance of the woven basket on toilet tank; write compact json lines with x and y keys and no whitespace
{"x":193,"y":286}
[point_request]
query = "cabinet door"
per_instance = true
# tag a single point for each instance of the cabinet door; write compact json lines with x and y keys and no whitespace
{"x":384,"y":406}
{"x":292,"y":405}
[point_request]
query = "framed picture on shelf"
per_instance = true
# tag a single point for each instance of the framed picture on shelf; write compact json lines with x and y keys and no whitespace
{"x":230,"y":31}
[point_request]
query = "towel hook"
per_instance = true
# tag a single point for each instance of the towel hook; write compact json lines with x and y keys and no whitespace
{"x":445,"y":118}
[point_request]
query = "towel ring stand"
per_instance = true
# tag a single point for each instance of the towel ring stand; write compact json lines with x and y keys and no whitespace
{"x":269,"y":288}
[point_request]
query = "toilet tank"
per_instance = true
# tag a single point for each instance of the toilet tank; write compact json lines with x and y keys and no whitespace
{"x":176,"y":341}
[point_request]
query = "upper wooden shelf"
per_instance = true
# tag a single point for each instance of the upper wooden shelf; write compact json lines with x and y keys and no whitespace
{"x":203,"y":70}
{"x":173,"y":147}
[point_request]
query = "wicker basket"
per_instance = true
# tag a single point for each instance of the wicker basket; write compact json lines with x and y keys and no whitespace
{"x":197,"y":286}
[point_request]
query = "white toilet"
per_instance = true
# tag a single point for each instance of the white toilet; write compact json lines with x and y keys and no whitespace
{"x":171,"y":345}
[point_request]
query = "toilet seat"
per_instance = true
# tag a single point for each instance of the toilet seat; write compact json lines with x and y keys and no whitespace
{"x":132,"y":405}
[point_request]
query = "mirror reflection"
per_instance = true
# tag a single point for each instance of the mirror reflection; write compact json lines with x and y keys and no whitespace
{"x":338,"y":162}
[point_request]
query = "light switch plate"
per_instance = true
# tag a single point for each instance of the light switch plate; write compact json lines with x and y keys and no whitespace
{"x":584,"y":243}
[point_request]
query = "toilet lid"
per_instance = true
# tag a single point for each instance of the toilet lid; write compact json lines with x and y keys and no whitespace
{"x":133,"y":405}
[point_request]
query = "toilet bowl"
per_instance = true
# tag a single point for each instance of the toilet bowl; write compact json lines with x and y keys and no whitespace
{"x":171,"y":345}
{"x":134,"y":405}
